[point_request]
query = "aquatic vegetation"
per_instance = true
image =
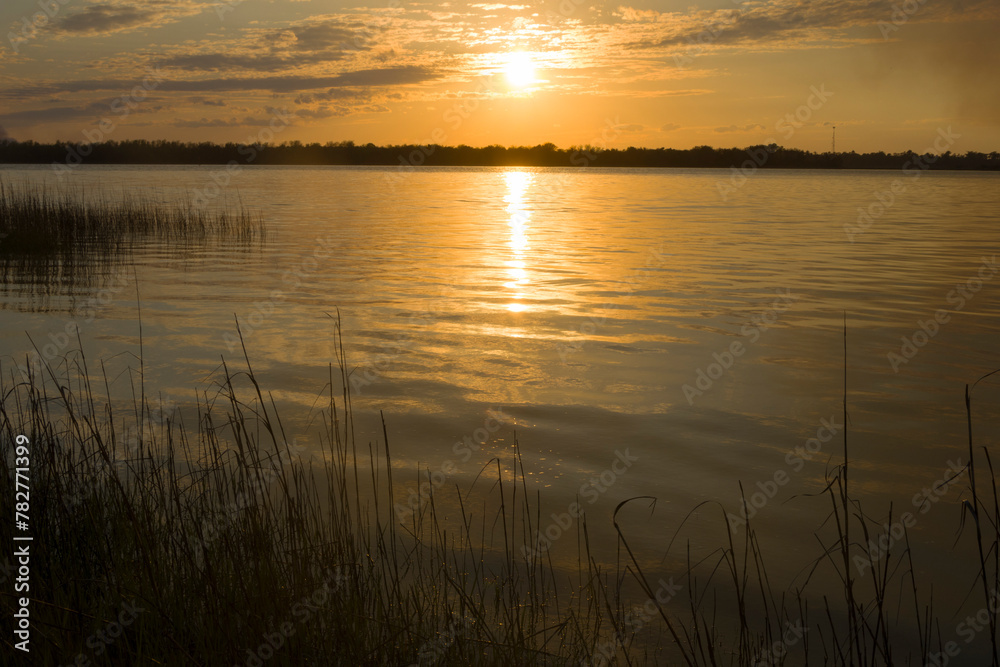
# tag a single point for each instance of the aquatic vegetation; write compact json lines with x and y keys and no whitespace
{"x":206,"y":537}
{"x":48,"y":239}
{"x":34,"y":221}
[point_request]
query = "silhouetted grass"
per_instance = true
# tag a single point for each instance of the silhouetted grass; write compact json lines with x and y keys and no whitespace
{"x":51,"y":241}
{"x":36,"y":221}
{"x":864,"y":621}
{"x":224,"y":536}
{"x":240,"y":550}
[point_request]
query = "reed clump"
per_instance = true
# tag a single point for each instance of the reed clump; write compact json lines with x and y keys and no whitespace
{"x":221,"y":543}
{"x":38,"y":221}
{"x":205,"y":538}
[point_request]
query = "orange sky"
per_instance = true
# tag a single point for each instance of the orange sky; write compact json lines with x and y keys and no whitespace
{"x":887,"y":74}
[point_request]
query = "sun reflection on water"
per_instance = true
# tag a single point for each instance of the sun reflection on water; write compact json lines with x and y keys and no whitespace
{"x":517,"y":185}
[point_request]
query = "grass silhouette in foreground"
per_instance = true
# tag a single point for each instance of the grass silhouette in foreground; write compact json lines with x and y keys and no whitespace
{"x":158,"y":542}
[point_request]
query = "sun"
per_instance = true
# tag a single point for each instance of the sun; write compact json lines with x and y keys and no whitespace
{"x":520,"y":70}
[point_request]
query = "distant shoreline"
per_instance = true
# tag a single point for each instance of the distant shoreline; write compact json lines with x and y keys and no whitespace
{"x":65,"y":156}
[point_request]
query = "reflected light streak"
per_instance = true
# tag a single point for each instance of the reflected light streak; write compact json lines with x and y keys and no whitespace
{"x":517,"y":184}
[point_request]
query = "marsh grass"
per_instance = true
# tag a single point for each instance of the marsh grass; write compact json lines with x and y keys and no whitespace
{"x":57,"y":241}
{"x":35,"y":221}
{"x":228,"y":538}
{"x":868,"y":585}
{"x":240,"y":549}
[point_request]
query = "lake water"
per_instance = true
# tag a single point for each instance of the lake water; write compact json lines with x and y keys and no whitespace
{"x":657,"y":317}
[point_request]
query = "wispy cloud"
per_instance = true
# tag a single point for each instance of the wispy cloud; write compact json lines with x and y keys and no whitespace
{"x":392,"y":76}
{"x":214,"y":62}
{"x":247,"y":121}
{"x":103,"y":18}
{"x":108,"y":17}
{"x":749,"y":127}
{"x":767,"y":24}
{"x":58,"y":114}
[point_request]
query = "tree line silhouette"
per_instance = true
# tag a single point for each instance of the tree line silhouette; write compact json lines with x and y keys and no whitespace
{"x":411,"y":155}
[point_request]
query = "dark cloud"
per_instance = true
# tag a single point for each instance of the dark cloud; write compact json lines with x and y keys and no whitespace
{"x":114,"y":109}
{"x":774,"y":20}
{"x":3,"y":134}
{"x":323,"y":36}
{"x":54,"y":115}
{"x":385,"y":77}
{"x":208,"y":102}
{"x":248,"y":121}
{"x":392,"y":76}
{"x":324,"y":112}
{"x":103,"y":18}
{"x":740,"y":128}
{"x":320,"y":112}
{"x":214,"y":62}
{"x":284,"y":49}
{"x":334,"y":94}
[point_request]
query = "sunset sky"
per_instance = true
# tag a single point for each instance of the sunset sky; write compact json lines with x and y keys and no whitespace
{"x":887,"y":74}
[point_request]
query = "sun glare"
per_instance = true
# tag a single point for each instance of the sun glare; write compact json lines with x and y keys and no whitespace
{"x":520,"y":70}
